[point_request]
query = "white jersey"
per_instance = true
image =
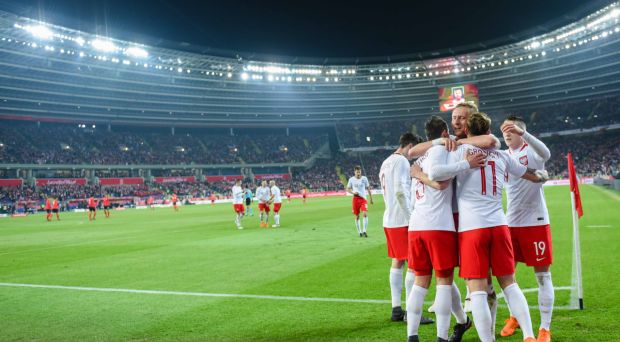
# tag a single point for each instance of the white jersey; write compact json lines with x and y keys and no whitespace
{"x":479,"y":190}
{"x":277,"y":197}
{"x":433,"y":208}
{"x":263,"y":194}
{"x":237,"y":194}
{"x":526,"y":200}
{"x":359,"y":185}
{"x":396,"y":185}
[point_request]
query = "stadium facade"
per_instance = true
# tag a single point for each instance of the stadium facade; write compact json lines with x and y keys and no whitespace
{"x":49,"y":72}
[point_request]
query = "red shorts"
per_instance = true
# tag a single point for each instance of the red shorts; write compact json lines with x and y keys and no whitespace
{"x":484,"y":248}
{"x":276,"y":207}
{"x":359,"y":204}
{"x":433,"y":250}
{"x":532,"y":245}
{"x":397,"y":243}
{"x":239,"y":208}
{"x":263,"y":207}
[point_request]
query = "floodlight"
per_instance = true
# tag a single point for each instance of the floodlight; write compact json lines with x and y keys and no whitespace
{"x":39,"y":31}
{"x":137,"y":52}
{"x":80,"y":41}
{"x":244,"y":76}
{"x":103,"y":45}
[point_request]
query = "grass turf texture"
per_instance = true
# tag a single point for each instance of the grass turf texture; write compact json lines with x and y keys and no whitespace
{"x":316,"y":253}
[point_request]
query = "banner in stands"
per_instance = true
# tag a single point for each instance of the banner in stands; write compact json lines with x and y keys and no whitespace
{"x":582,"y":180}
{"x":60,"y":181}
{"x":273,"y":176}
{"x":184,"y":179}
{"x":222,"y":178}
{"x":121,"y":181}
{"x":450,"y":97}
{"x":11,"y":182}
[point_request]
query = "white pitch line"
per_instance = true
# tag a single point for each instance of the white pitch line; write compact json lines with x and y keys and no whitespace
{"x":599,"y":226}
{"x":199,"y":294}
{"x":249,"y":296}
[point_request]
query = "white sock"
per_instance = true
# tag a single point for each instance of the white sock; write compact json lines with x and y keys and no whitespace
{"x":443,"y":306}
{"x":546,"y":298}
{"x":365,"y":223}
{"x":457,"y":308}
{"x":518,"y":305}
{"x":414,"y":309}
{"x":276,"y":218}
{"x":482,"y":315}
{"x":396,"y":285}
{"x":492,"y":301}
{"x":357,"y":225}
{"x":409,"y":280}
{"x":237,"y":220}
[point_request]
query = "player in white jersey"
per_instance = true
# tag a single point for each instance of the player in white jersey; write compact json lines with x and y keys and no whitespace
{"x":396,"y":182}
{"x":263,"y":194}
{"x":528,"y":220}
{"x":484,"y":238}
{"x":433,"y":244}
{"x":359,"y":187}
{"x":276,"y":199}
{"x":237,"y":194}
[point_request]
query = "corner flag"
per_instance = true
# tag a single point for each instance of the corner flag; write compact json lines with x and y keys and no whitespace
{"x":574,"y":185}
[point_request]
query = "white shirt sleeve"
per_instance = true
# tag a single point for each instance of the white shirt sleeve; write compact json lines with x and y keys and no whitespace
{"x":538,"y":146}
{"x":400,"y":185}
{"x":448,"y":166}
{"x":514,"y":167}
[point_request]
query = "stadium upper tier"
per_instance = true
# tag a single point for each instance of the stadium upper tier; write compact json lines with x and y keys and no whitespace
{"x":51,"y":72}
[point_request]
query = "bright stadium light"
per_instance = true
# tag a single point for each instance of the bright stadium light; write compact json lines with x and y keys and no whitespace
{"x":103,"y":45}
{"x":39,"y":31}
{"x":80,"y":41}
{"x":245,"y":76}
{"x":535,"y":45}
{"x":136,"y":52}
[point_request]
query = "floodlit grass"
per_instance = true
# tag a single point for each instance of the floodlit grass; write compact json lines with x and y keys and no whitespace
{"x":315,"y":254}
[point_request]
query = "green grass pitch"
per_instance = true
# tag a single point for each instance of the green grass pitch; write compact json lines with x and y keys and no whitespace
{"x":315,"y":254}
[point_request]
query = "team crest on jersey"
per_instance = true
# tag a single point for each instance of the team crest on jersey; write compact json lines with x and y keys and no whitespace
{"x":523,"y":160}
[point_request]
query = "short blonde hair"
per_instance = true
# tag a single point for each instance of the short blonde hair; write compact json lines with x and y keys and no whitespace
{"x":471,"y":108}
{"x":479,"y":123}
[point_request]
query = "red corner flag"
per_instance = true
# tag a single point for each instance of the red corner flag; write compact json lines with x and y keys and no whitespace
{"x":574,"y":185}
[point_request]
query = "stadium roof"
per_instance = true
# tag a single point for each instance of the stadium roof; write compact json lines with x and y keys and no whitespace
{"x":326,"y":33}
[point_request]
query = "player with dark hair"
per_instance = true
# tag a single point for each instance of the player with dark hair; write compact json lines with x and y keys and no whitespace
{"x":359,"y":187}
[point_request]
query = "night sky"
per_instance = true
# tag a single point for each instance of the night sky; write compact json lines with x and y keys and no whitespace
{"x":308,"y":28}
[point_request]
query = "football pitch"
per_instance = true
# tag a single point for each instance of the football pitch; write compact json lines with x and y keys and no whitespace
{"x":148,"y":275}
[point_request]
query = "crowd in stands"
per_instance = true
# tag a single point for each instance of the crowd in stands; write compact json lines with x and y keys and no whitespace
{"x":70,"y":144}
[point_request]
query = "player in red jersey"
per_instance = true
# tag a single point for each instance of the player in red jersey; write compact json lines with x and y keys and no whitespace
{"x":528,"y":220}
{"x":150,"y":201}
{"x":484,"y":238}
{"x":48,"y":209}
{"x":106,"y":206}
{"x":174,"y":202}
{"x":56,"y":208}
{"x":212,"y":198}
{"x":288,"y":195}
{"x":304,"y":194}
{"x":92,"y":208}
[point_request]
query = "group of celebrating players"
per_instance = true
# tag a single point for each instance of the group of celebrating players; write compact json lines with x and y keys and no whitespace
{"x":266,"y":196}
{"x":445,"y":211}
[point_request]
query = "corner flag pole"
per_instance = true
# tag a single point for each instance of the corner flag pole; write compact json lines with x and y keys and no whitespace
{"x":577,"y":212}
{"x":577,"y":250}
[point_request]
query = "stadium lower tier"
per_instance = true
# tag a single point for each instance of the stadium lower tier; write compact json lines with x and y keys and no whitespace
{"x":595,"y":155}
